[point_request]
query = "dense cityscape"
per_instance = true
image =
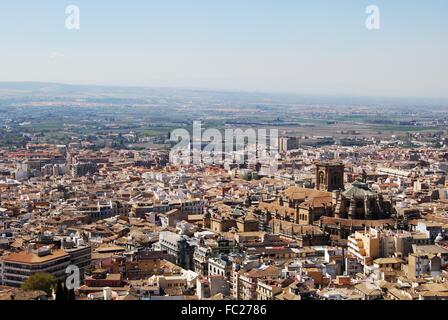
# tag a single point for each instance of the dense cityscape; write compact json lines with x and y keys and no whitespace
{"x":92,"y":208}
{"x":223,"y":159}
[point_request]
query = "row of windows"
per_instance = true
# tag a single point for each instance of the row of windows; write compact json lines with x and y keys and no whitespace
{"x":216,"y":271}
{"x":36,"y":267}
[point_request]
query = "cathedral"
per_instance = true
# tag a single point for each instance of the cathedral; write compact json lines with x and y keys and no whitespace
{"x":359,"y":202}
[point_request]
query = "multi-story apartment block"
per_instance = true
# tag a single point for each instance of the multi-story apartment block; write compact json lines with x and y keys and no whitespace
{"x":245,"y":283}
{"x":365,"y":246}
{"x":181,"y":247}
{"x":17,"y":267}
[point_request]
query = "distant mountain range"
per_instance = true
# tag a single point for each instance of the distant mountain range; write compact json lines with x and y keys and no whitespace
{"x":40,"y":90}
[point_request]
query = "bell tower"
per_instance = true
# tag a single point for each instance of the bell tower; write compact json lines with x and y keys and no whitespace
{"x":329,"y":176}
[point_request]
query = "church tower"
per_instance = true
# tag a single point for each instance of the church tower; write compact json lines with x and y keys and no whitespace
{"x":329,"y":176}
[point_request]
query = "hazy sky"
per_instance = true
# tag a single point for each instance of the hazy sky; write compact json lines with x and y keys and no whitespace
{"x":296,"y":46}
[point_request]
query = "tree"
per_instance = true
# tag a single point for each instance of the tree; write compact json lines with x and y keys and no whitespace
{"x":71,"y":295}
{"x":60,"y":292}
{"x":40,"y":281}
{"x":63,"y":293}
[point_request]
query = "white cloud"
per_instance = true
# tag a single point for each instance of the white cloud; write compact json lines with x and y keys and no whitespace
{"x":56,"y":55}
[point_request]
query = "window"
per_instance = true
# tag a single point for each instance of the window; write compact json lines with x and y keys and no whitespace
{"x":321,"y":178}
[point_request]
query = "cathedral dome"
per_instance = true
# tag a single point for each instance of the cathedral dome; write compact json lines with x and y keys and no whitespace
{"x":359,"y":190}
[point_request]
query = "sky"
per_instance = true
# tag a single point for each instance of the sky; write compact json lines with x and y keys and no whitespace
{"x":278,"y":46}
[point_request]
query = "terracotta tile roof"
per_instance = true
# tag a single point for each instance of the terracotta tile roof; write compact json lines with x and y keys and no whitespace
{"x":357,"y":223}
{"x":32,"y":258}
{"x":296,"y":193}
{"x":318,"y":202}
{"x":275,"y":207}
{"x":270,"y":271}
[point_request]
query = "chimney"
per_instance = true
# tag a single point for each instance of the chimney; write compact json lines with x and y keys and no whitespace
{"x":107,"y":292}
{"x":29,"y":248}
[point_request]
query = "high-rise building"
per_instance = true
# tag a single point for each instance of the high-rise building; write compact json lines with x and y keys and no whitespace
{"x":18,"y":267}
{"x":288,"y":143}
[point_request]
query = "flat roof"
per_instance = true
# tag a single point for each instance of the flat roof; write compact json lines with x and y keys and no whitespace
{"x":33,"y":258}
{"x":430,"y":249}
